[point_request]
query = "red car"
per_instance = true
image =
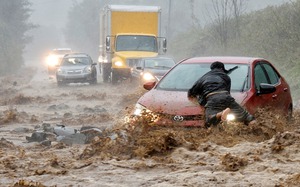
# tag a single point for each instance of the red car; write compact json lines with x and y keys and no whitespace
{"x":255,"y":83}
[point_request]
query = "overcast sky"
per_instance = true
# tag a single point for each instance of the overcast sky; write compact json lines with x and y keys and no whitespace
{"x":51,"y":12}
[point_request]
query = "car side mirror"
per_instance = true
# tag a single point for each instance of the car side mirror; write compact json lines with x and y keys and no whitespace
{"x":266,"y":88}
{"x":149,"y":85}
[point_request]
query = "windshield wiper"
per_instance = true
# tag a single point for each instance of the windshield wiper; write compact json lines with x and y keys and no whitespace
{"x":232,"y":69}
{"x":245,"y":81}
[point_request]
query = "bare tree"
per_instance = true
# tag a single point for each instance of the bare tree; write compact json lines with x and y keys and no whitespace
{"x":238,"y":8}
{"x":224,"y":12}
{"x":195,"y":20}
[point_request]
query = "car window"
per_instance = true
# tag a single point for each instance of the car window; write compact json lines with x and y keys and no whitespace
{"x":159,"y":63}
{"x":260,"y":76}
{"x":183,"y":76}
{"x":149,"y":63}
{"x":72,"y":61}
{"x":139,"y":63}
{"x":273,"y":76}
{"x":240,"y":80}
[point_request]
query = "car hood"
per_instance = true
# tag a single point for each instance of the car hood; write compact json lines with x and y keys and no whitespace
{"x":169,"y":102}
{"x":77,"y":67}
{"x":176,"y":102}
{"x":159,"y":72}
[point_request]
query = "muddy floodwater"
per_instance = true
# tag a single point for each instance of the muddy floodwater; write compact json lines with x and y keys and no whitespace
{"x":110,"y":152}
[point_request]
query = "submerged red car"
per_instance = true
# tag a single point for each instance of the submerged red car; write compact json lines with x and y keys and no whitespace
{"x":255,"y":83}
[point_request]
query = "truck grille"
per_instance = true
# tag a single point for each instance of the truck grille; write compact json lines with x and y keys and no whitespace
{"x":132,"y":62}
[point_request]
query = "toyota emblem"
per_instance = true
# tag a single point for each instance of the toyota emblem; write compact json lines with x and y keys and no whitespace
{"x":178,"y":118}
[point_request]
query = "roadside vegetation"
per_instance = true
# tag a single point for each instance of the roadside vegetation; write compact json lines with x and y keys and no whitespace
{"x":271,"y":33}
{"x":14,"y":15}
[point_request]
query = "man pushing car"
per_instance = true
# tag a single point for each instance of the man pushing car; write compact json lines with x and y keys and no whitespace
{"x":212,"y":91}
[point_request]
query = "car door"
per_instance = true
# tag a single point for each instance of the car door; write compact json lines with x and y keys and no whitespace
{"x":281,"y":95}
{"x":265,"y":73}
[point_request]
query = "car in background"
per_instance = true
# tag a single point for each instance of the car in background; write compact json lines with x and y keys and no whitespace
{"x":151,"y":68}
{"x":54,"y":58}
{"x":76,"y":67}
{"x":255,"y":83}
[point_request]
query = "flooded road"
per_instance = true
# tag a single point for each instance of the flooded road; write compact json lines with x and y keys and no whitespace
{"x":120,"y":155}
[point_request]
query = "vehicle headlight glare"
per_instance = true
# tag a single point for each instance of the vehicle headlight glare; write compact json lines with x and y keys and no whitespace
{"x":52,"y":60}
{"x":138,"y":110}
{"x":148,"y":76}
{"x":118,"y":63}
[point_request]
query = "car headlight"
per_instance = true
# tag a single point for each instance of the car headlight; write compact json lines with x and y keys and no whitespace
{"x":143,"y":114}
{"x":139,"y":109}
{"x":60,"y":71}
{"x":52,"y":60}
{"x":87,"y":69}
{"x":148,"y":76}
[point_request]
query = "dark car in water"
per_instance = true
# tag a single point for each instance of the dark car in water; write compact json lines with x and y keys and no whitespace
{"x":151,"y":68}
{"x":76,"y":67}
{"x":255,"y":83}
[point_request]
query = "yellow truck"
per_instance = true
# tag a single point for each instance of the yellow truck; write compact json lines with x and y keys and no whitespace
{"x":127,"y":34}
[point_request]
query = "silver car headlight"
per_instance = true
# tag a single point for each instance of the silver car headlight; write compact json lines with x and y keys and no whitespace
{"x":60,"y":71}
{"x":87,"y":69}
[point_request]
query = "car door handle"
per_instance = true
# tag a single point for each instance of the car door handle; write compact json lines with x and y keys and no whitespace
{"x":285,"y":89}
{"x":274,"y":96}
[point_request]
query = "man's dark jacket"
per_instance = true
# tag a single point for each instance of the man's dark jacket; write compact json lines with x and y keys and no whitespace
{"x":213,"y":81}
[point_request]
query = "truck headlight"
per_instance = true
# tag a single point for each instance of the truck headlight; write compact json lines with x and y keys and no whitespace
{"x":118,"y":63}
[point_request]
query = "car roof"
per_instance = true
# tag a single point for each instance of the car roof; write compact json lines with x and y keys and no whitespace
{"x":76,"y":55}
{"x":223,"y":59}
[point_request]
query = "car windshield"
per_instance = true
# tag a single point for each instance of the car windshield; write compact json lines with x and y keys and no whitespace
{"x":183,"y":76}
{"x":136,"y":43}
{"x":73,"y":61}
{"x":159,"y":63}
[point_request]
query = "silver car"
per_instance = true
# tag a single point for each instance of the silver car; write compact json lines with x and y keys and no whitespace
{"x":76,"y":67}
{"x":151,"y":68}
